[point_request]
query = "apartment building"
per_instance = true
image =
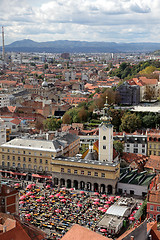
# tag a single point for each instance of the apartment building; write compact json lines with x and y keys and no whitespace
{"x":31,"y":156}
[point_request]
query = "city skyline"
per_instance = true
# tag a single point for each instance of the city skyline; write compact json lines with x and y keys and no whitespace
{"x":116,"y":20}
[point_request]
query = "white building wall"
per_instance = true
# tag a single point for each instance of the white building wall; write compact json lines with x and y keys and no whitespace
{"x":4,"y":100}
{"x":138,"y":190}
{"x":2,"y":132}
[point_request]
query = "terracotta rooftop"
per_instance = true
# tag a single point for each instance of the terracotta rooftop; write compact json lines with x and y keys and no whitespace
{"x":153,"y":162}
{"x":78,"y":232}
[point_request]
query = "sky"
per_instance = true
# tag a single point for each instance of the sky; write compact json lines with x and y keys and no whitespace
{"x":80,"y":20}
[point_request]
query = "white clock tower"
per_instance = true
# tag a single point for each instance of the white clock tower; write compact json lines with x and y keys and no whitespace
{"x":106,"y":136}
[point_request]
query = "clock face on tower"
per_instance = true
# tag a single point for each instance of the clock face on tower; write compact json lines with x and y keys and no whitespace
{"x":104,"y":128}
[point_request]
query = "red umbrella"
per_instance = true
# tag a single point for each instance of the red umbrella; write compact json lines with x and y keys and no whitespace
{"x":95,"y":203}
{"x":29,"y":193}
{"x":79,"y":205}
{"x":131,"y":218}
{"x":140,"y":204}
{"x":81,"y":192}
{"x":57,"y":194}
{"x":32,"y":196}
{"x":118,"y":196}
{"x":104,"y":210}
{"x":106,"y":206}
{"x":100,"y":208}
{"x":108,"y":202}
{"x":38,"y":200}
{"x":104,"y":195}
{"x":51,"y":196}
{"x":42,"y":198}
{"x":22,"y":197}
{"x":28,"y":215}
{"x":33,"y":184}
{"x":96,"y":200}
{"x":48,"y":186}
{"x":21,"y":202}
{"x":96,"y":193}
{"x":57,"y":210}
{"x":17,"y":184}
{"x":63,"y":200}
{"x":103,"y":230}
{"x":61,"y":197}
{"x":29,"y":186}
{"x":71,"y":189}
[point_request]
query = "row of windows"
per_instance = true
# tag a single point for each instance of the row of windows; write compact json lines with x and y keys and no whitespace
{"x":154,"y":153}
{"x":23,"y":166}
{"x":82,"y":172}
{"x":24,"y":152}
{"x":152,"y":208}
{"x":24,"y":159}
{"x":155,"y":146}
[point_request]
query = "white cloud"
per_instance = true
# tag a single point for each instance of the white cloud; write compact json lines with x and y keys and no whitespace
{"x":91,"y":20}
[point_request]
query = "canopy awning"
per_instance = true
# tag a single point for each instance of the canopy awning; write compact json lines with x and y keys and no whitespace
{"x":41,"y":176}
{"x":17,"y":173}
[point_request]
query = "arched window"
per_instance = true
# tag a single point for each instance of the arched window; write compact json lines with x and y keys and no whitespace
{"x":104,"y":137}
{"x":3,"y":163}
{"x":24,"y":166}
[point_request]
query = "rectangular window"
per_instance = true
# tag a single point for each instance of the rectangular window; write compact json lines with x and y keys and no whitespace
{"x":89,"y":173}
{"x":135,"y":150}
{"x":8,"y":157}
{"x":136,"y":145}
{"x":151,"y":207}
{"x":96,"y":174}
{"x":62,"y":170}
{"x":143,"y":145}
{"x":158,"y":209}
{"x":150,"y":152}
{"x":19,"y":158}
{"x":35,"y":160}
{"x":69,"y":170}
{"x":154,"y":152}
{"x":82,"y":172}
{"x":2,"y":149}
{"x":151,"y":215}
{"x":13,"y":157}
{"x":40,"y":160}
{"x":24,"y":159}
{"x":150,"y":146}
{"x":24,"y":152}
{"x":75,"y":171}
{"x":46,"y":161}
{"x":104,"y":146}
{"x":143,"y":150}
{"x":3,"y":157}
{"x":29,"y":159}
{"x":8,"y":150}
{"x":154,"y":146}
{"x":102,"y":174}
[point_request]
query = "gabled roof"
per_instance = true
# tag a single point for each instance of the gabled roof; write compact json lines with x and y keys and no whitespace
{"x":78,"y":232}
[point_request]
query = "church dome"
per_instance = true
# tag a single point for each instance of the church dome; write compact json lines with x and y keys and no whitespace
{"x":44,"y":84}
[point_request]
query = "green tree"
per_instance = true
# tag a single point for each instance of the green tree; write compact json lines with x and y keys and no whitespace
{"x":66,"y":118}
{"x":130,"y":122}
{"x":119,"y":146}
{"x":149,"y":93}
{"x":52,"y":124}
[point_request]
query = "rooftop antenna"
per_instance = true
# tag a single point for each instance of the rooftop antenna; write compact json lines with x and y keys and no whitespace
{"x":3,"y":50}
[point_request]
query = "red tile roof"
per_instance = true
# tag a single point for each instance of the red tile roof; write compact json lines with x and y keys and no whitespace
{"x":78,"y":232}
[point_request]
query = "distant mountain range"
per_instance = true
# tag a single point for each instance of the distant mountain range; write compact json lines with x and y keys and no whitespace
{"x":61,"y":46}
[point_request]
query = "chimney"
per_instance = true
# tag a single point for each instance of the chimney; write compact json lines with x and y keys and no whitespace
{"x":4,"y":229}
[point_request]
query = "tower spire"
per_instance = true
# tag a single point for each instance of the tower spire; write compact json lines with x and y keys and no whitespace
{"x":3,"y":49}
{"x":106,"y":117}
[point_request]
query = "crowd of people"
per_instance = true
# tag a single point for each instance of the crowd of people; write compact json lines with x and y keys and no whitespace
{"x":56,"y":210}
